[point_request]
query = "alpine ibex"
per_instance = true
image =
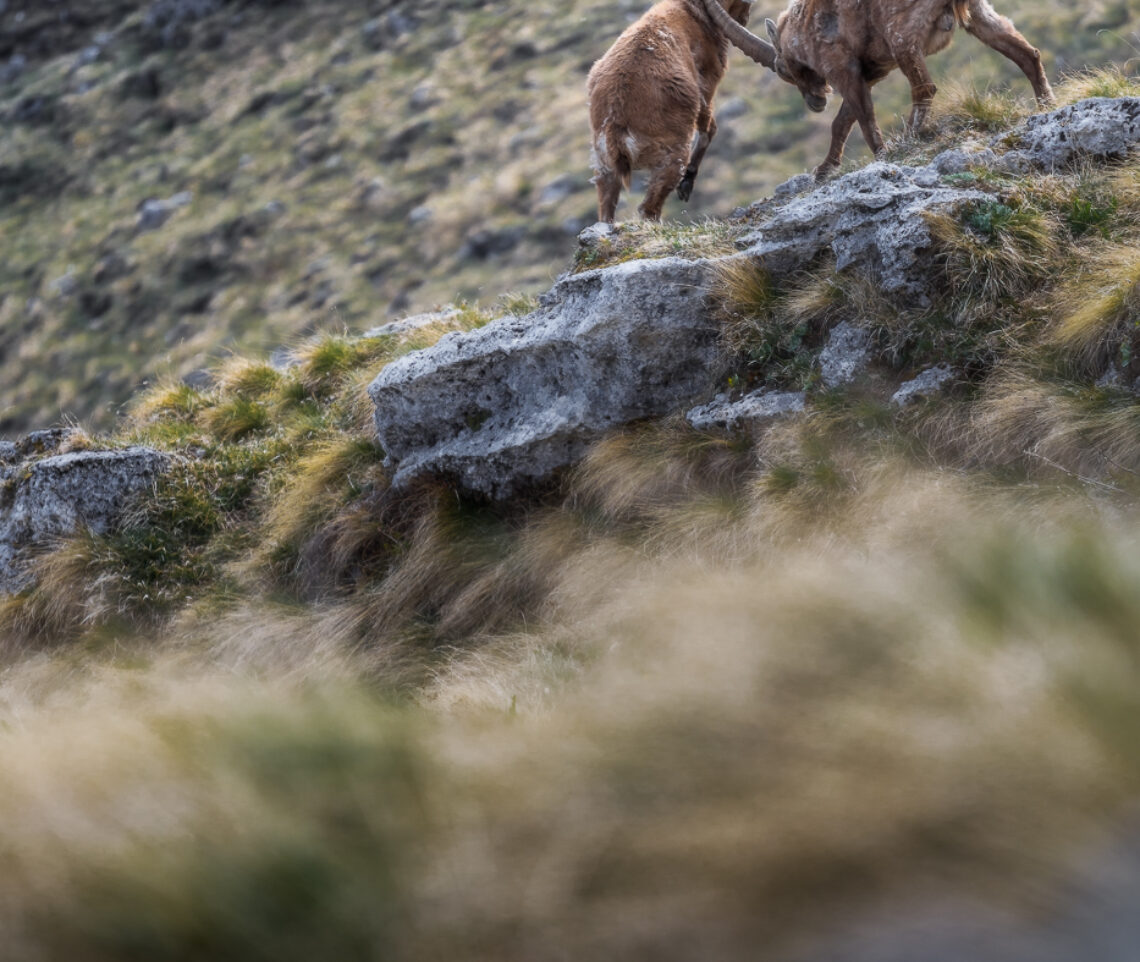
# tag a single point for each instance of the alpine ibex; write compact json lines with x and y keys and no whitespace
{"x":850,"y":45}
{"x":651,"y":94}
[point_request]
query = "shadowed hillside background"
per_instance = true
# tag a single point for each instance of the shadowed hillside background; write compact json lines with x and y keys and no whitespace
{"x":333,"y":165}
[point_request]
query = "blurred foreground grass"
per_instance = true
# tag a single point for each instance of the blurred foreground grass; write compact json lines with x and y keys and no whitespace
{"x":727,"y":741}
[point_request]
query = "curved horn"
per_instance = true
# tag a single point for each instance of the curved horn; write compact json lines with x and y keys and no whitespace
{"x":759,"y":50}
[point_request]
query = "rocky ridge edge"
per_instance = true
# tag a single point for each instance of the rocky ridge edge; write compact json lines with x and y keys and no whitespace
{"x":508,"y":405}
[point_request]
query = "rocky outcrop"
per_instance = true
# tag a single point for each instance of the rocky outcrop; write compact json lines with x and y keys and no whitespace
{"x":506,"y":405}
{"x":45,"y":498}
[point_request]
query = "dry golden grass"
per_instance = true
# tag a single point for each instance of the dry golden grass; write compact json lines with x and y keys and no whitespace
{"x":1053,"y":426}
{"x":964,"y":107}
{"x":247,"y":378}
{"x":168,"y":399}
{"x":749,"y":306}
{"x":1110,"y":80}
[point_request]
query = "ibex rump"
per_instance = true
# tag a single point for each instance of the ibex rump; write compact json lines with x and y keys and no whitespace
{"x":651,"y":94}
{"x":850,"y":45}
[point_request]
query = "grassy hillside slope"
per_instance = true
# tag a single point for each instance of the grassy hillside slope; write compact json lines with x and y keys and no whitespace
{"x":342,"y":163}
{"x":701,"y":694}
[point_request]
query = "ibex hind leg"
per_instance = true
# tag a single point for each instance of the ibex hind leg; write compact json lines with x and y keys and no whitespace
{"x":663,"y":180}
{"x":1000,"y":34}
{"x":608,"y":183}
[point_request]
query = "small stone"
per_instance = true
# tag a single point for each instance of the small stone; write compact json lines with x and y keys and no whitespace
{"x":845,"y":354}
{"x":590,"y":236}
{"x":928,"y":384}
{"x":726,"y":415}
{"x":154,"y":213}
{"x":64,"y":286}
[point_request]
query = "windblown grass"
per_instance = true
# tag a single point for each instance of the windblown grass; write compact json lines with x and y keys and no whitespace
{"x":931,"y":700}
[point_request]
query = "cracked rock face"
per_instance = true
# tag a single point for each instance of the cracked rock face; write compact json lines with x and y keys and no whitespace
{"x":42,"y":500}
{"x":498,"y":408}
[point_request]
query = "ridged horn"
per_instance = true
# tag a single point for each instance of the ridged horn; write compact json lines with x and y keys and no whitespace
{"x":759,"y":50}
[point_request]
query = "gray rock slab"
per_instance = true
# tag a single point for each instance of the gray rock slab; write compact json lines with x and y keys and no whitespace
{"x":723,"y":414}
{"x":845,"y":354}
{"x":510,"y":403}
{"x":873,"y":220}
{"x":42,"y":500}
{"x":928,"y":384}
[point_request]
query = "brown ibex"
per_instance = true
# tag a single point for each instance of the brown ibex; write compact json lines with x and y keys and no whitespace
{"x":850,"y":45}
{"x":651,"y":94}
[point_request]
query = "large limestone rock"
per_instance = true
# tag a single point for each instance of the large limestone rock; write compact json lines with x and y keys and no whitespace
{"x":506,"y":405}
{"x":45,"y":498}
{"x":499,"y":408}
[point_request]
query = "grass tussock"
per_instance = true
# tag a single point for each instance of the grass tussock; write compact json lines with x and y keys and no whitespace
{"x":1001,"y":248}
{"x":1049,"y":426}
{"x":323,"y":520}
{"x":1109,"y":80}
{"x":963,"y":108}
{"x":1098,"y":312}
{"x":763,"y":326}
